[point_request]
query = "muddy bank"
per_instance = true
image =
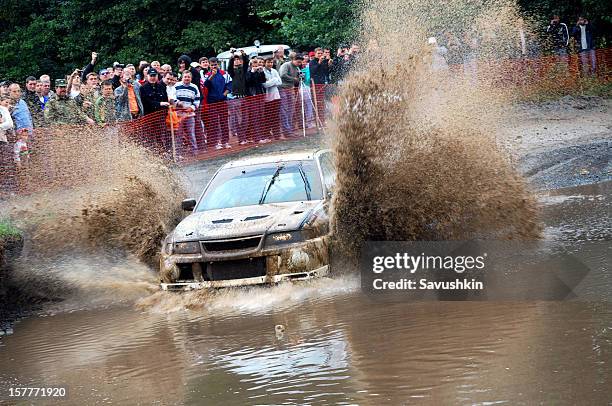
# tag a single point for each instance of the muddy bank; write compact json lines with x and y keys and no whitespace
{"x":12,"y":302}
{"x":562,"y":143}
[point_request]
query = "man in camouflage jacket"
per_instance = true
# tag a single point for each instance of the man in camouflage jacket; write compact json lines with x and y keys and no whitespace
{"x":62,"y":109}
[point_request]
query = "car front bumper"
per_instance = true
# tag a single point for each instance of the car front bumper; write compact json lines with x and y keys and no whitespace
{"x":259,"y":280}
{"x":299,"y":261}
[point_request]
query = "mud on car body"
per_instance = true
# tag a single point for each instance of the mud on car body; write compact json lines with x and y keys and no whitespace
{"x":258,"y":221}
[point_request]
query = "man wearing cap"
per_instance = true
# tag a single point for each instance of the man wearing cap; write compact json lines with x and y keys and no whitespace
{"x":105,"y":74}
{"x":155,"y":99}
{"x":153,"y":93}
{"x":62,"y":109}
{"x":117,"y":73}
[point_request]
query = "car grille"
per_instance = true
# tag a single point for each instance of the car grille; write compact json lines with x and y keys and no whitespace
{"x":234,"y":244}
{"x":237,"y":269}
{"x":225,"y":270}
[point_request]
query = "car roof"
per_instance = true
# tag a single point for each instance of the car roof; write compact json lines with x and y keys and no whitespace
{"x":272,"y":158}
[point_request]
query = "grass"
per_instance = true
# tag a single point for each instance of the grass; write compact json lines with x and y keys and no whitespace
{"x":8,"y":230}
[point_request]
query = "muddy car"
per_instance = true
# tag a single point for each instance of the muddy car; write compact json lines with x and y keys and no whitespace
{"x":259,"y":220}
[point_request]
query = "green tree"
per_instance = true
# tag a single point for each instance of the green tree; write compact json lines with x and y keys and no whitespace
{"x":311,"y":23}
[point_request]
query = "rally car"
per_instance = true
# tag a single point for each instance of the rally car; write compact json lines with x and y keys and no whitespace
{"x":260,"y":220}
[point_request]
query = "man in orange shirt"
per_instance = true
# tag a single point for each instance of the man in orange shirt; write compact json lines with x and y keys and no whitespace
{"x":127,"y":99}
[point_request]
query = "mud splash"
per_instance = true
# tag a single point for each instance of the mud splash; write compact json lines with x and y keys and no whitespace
{"x":416,"y":145}
{"x":252,"y":300}
{"x":97,"y":219}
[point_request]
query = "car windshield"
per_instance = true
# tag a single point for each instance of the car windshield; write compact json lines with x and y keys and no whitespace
{"x":265,"y":183}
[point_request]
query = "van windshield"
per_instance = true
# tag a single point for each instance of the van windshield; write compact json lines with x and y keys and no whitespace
{"x":260,"y":184}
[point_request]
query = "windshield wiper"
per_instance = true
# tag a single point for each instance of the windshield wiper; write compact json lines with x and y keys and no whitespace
{"x":272,"y":180}
{"x":307,"y":187}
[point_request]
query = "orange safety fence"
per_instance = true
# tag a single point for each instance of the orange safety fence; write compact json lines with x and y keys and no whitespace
{"x":224,"y":127}
{"x":57,"y":155}
{"x":545,"y":75}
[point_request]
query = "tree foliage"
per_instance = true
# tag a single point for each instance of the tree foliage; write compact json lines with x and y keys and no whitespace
{"x":311,"y":23}
{"x":56,"y":36}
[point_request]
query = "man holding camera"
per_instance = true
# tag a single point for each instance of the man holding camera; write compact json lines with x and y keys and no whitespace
{"x":290,"y":75}
{"x":155,"y":100}
{"x":255,"y":80}
{"x":128,"y":104}
{"x":583,"y":33}
{"x":239,"y":114}
{"x":117,"y":74}
{"x":218,"y":84}
{"x":319,"y":73}
{"x":559,"y":36}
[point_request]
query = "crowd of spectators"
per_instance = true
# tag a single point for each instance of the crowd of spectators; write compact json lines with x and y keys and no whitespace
{"x":207,"y":103}
{"x":580,"y":39}
{"x":526,"y":42}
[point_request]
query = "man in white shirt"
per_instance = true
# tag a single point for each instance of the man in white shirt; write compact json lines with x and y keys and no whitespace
{"x":583,"y":32}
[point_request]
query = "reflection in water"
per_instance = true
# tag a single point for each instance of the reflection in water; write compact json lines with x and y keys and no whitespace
{"x":339,"y":346}
{"x":341,"y":349}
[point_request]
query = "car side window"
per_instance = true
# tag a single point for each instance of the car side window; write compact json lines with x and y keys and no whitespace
{"x":329,"y":171}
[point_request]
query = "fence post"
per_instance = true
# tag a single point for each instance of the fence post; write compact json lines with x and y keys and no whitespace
{"x":170,"y":111}
{"x":303,"y":113}
{"x":316,"y":104}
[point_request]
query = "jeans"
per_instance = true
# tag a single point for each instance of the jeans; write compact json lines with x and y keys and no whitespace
{"x":8,"y":175}
{"x":186,"y":132}
{"x":271,"y":119}
{"x":588,"y":61}
{"x":286,"y":112}
{"x":217,"y":126}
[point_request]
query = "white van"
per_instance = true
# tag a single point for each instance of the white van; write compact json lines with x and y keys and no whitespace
{"x":262,"y":50}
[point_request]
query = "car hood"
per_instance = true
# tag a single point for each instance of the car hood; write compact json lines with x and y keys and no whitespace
{"x":242,"y":221}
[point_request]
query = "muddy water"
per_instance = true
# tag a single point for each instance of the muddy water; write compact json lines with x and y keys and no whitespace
{"x":338,"y":346}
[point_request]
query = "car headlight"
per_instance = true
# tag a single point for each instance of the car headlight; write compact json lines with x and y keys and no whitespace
{"x":290,"y":237}
{"x":190,"y":247}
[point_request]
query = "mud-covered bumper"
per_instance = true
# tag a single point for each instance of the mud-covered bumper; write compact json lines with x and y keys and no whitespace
{"x":298,"y":261}
{"x":258,"y":280}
